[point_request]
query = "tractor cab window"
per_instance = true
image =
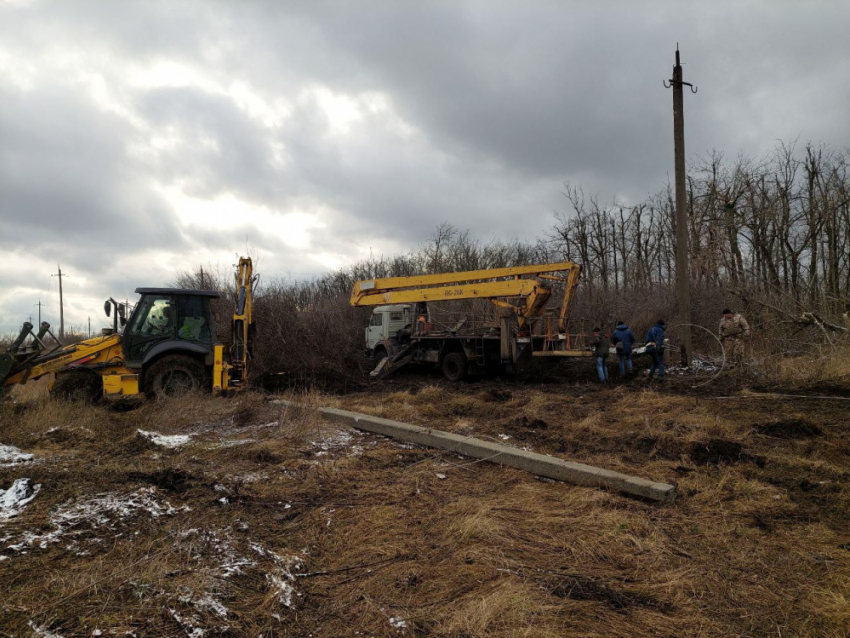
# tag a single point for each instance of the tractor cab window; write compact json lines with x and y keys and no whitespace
{"x":152,"y":322}
{"x":193,"y":319}
{"x":155,"y":319}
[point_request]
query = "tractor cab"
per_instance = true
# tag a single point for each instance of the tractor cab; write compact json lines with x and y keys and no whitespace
{"x":168,"y":320}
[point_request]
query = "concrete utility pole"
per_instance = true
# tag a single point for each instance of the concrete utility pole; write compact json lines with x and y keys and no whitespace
{"x":683,"y":280}
{"x":39,"y":304}
{"x":61,"y":304}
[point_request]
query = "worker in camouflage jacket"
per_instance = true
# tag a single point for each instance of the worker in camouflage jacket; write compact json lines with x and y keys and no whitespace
{"x":734,"y":332}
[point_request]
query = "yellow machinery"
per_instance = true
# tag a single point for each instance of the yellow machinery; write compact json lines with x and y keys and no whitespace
{"x":520,"y":292}
{"x":168,"y":346}
{"x":495,"y":285}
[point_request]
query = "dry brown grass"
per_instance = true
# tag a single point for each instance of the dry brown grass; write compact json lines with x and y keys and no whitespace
{"x":752,"y":546}
{"x":830,"y":368}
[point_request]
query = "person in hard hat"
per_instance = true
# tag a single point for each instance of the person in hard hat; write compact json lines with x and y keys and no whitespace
{"x":734,"y":332}
{"x":655,"y":348}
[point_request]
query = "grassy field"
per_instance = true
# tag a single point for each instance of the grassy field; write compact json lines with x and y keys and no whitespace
{"x":268,"y":521}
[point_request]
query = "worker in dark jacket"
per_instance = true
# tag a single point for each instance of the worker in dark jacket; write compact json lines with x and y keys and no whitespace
{"x":623,"y":339}
{"x":600,"y":352}
{"x":403,"y":335}
{"x":655,"y":348}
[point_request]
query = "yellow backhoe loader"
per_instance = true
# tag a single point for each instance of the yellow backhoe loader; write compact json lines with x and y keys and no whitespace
{"x":167,"y":346}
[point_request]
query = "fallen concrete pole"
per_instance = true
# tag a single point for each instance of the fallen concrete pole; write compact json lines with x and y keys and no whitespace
{"x":538,"y":464}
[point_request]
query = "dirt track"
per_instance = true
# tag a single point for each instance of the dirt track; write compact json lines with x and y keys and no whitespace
{"x":267,"y":521}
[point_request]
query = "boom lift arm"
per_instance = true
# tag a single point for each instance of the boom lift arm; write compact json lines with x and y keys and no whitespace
{"x":495,"y":285}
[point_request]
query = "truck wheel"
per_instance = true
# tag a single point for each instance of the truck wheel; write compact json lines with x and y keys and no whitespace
{"x":174,"y":376}
{"x":454,"y":366}
{"x":77,"y":386}
{"x":378,"y":354}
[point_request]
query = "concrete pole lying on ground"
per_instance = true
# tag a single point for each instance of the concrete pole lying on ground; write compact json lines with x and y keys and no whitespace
{"x":539,"y":464}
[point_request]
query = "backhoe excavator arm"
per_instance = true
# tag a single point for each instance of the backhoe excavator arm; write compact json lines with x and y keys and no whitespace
{"x":243,"y":322}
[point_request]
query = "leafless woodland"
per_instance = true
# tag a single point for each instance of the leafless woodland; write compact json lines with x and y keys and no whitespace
{"x":768,"y":236}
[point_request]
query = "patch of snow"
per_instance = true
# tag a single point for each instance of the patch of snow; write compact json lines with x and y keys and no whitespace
{"x":172,"y":441}
{"x":504,"y":437}
{"x":281,"y":579}
{"x":80,"y":517}
{"x":282,"y":587}
{"x":220,"y":488}
{"x":41,"y":631}
{"x":188,"y":624}
{"x":249,"y":477}
{"x":10,"y":455}
{"x":230,"y":562}
{"x":698,"y":365}
{"x":207,"y":602}
{"x":210,"y":603}
{"x":441,"y":476}
{"x":224,"y":500}
{"x":397,"y":623}
{"x":13,"y":500}
{"x":337,"y":441}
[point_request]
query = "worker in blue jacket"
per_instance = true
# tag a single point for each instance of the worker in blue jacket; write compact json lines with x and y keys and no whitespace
{"x":623,"y":339}
{"x":655,"y":348}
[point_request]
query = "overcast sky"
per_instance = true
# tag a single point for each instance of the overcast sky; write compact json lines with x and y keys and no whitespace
{"x":142,"y":138}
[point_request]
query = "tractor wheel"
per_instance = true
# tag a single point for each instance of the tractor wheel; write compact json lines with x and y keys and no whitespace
{"x":78,"y":386}
{"x":175,"y":376}
{"x":454,"y":366}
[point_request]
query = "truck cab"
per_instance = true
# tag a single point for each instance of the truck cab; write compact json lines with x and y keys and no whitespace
{"x":385,"y":322}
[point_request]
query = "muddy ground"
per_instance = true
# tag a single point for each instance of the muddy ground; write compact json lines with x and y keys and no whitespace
{"x":268,"y":521}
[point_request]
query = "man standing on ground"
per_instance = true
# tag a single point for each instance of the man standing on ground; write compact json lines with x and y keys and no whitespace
{"x":734,"y":331}
{"x":655,"y":348}
{"x":623,"y":338}
{"x":600,"y":352}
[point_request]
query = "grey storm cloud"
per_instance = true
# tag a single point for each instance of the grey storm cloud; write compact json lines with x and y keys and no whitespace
{"x":121,"y":122}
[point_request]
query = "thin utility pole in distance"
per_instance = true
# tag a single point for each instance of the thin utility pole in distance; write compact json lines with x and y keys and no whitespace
{"x":39,"y":304}
{"x":61,"y":303}
{"x":683,"y":280}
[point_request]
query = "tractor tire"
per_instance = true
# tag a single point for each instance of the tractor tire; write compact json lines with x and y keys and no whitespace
{"x":175,"y":376}
{"x":454,"y":366}
{"x":77,"y":386}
